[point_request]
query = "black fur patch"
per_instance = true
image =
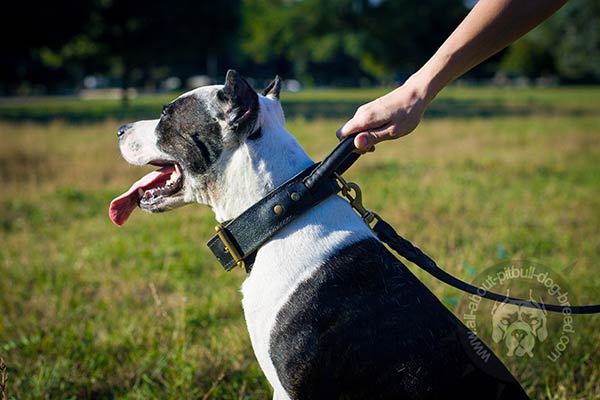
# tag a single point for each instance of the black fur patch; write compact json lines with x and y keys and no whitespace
{"x":363,"y":327}
{"x":256,"y":134}
{"x":274,"y":88}
{"x":241,"y":102}
{"x":188,"y":132}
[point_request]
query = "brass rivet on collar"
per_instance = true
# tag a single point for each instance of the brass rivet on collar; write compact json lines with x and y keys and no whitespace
{"x":295,"y":196}
{"x":278,"y":209}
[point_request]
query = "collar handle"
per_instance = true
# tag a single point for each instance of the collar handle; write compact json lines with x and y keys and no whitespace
{"x":338,"y":161}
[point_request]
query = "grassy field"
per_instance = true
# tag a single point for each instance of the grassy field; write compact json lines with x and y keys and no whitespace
{"x":89,"y":310}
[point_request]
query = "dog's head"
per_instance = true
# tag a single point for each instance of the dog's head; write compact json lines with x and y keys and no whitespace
{"x":196,"y":141}
{"x":518,"y":326}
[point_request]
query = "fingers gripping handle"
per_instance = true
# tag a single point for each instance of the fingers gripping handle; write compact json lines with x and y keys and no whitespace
{"x":338,"y":161}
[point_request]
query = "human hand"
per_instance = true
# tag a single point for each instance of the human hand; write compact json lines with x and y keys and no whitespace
{"x":389,"y":117}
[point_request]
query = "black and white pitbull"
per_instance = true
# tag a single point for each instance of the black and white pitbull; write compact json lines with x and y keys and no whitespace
{"x":331,"y":313}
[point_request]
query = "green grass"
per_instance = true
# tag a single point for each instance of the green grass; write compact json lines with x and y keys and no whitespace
{"x":88,"y":310}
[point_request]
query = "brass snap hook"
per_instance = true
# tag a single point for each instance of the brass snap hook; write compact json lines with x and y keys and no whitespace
{"x":352,"y":192}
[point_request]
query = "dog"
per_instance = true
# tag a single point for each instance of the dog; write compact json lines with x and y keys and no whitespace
{"x":519,"y":327}
{"x":330,"y":312}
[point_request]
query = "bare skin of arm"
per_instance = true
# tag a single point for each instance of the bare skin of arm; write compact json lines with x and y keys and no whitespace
{"x":488,"y":28}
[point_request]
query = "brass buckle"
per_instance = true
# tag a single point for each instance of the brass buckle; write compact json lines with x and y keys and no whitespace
{"x":230,"y":247}
{"x":348,"y":188}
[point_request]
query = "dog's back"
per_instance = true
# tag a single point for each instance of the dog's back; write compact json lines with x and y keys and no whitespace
{"x":363,"y":327}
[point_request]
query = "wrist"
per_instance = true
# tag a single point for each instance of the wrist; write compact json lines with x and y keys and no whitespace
{"x":420,"y":91}
{"x":428,"y":82}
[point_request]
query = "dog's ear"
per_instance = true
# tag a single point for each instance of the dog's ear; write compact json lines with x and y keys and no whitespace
{"x":542,"y":332}
{"x":240,"y":101}
{"x":274,"y":88}
{"x":497,"y":334}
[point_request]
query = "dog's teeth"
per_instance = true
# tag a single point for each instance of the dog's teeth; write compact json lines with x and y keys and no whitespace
{"x":141,"y":192}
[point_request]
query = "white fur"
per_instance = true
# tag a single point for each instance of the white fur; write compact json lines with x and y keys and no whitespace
{"x":201,"y":91}
{"x":296,"y":252}
{"x":138,"y":147}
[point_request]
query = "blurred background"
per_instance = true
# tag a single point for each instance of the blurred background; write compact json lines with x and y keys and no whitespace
{"x":504,"y":168}
{"x":66,"y":47}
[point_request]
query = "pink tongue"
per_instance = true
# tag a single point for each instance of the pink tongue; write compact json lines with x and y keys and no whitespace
{"x":121,"y":208}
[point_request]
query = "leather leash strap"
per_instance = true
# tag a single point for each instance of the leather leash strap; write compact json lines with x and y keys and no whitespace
{"x":406,"y":249}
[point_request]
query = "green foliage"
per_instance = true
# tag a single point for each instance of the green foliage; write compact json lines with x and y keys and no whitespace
{"x":352,"y":37}
{"x":568,"y":45}
{"x":577,"y":52}
{"x":302,"y":33}
{"x":528,"y":57}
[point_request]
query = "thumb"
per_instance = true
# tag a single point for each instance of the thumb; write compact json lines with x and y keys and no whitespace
{"x":365,"y":141}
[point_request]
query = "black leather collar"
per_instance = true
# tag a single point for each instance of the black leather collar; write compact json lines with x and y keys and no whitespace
{"x":238,"y":240}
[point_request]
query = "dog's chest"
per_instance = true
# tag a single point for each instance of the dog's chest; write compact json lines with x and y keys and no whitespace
{"x":289,"y":259}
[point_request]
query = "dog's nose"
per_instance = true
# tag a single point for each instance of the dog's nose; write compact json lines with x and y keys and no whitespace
{"x":122,"y":129}
{"x":518,"y":334}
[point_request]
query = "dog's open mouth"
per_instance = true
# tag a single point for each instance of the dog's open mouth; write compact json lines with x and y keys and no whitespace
{"x":151,"y":193}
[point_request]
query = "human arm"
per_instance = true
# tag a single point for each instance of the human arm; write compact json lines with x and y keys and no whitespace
{"x":488,"y":28}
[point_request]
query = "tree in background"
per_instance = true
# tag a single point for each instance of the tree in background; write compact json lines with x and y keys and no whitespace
{"x":292,"y":36}
{"x":402,"y":35}
{"x":147,"y":41}
{"x":340,"y":41}
{"x":567,"y":45}
{"x":55,"y":44}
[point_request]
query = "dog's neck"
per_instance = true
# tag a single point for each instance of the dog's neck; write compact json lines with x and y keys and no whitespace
{"x":246,"y":174}
{"x":256,"y":166}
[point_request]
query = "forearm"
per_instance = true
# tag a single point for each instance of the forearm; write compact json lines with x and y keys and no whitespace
{"x":488,"y":28}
